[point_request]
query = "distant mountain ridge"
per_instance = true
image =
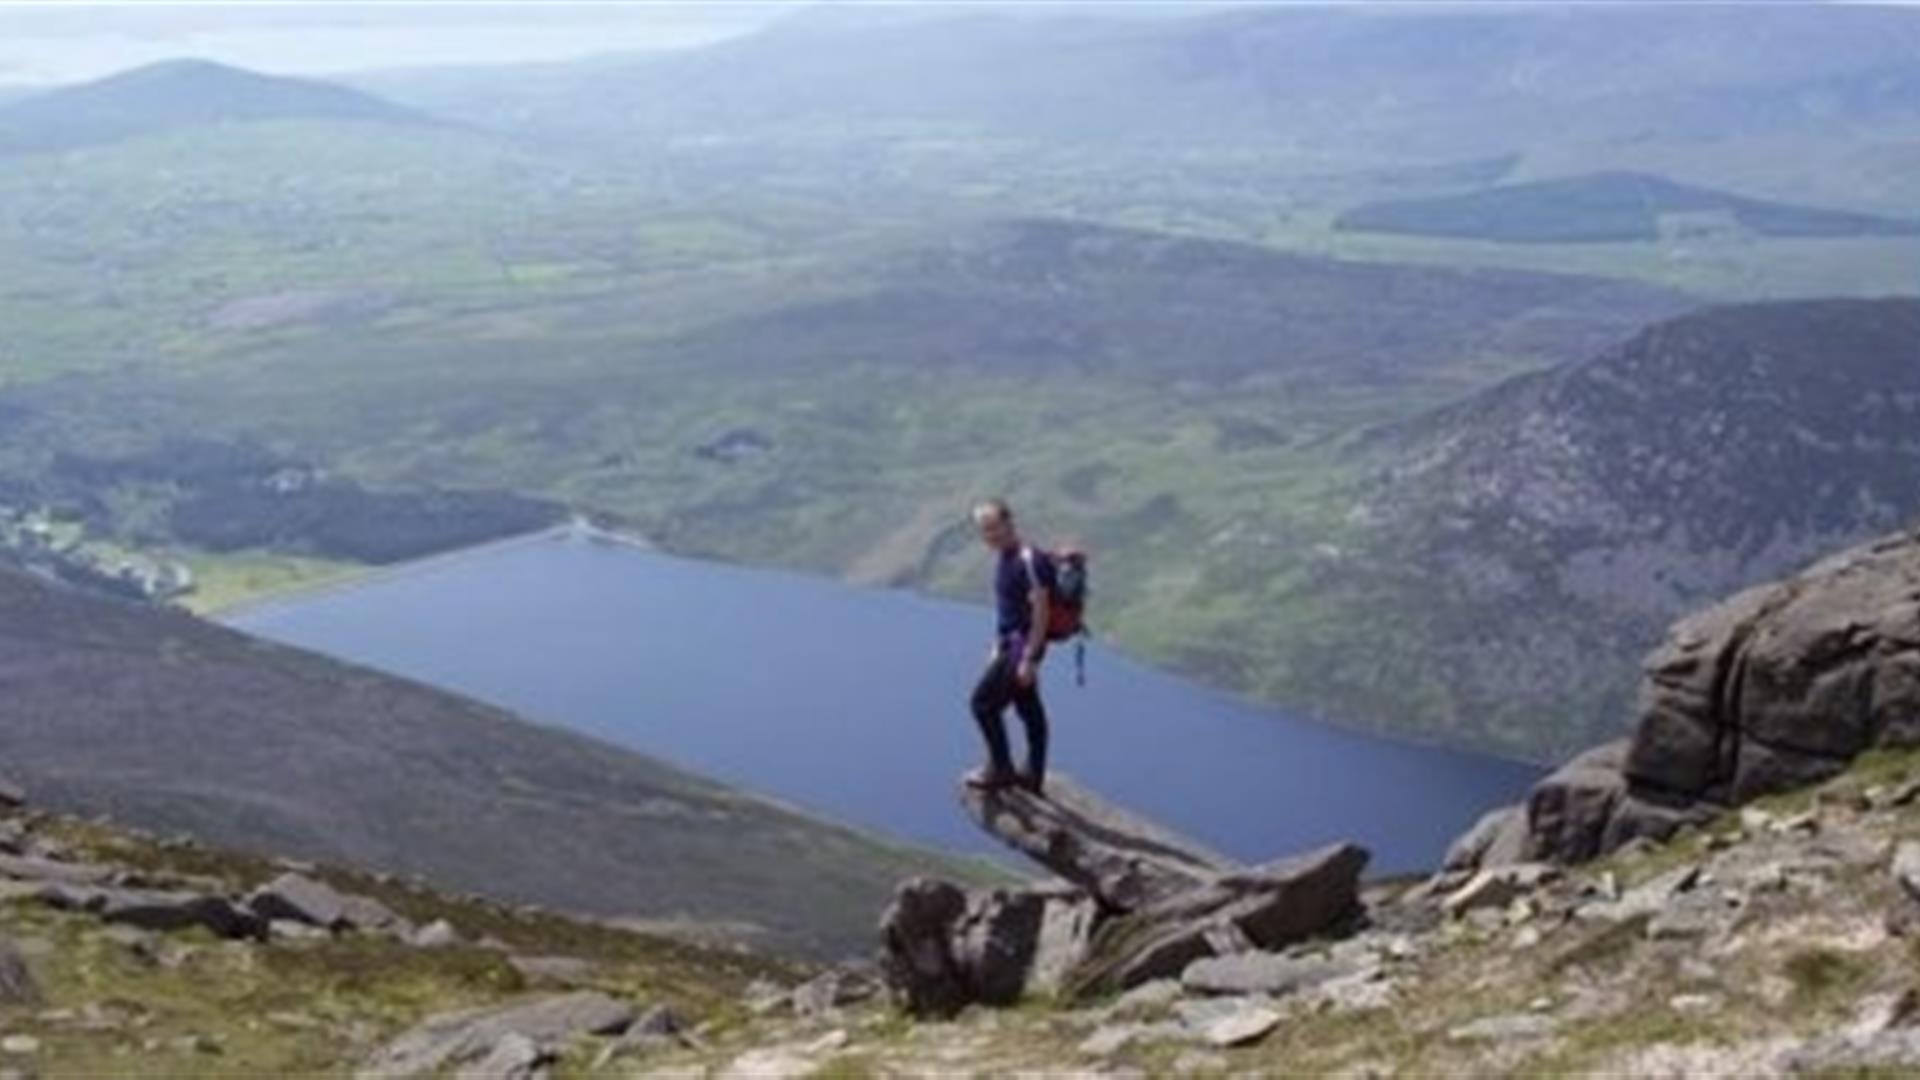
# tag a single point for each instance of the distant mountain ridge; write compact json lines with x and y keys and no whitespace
{"x":177,"y":94}
{"x":1477,"y":79}
{"x":1604,"y":206}
{"x":1540,"y":534}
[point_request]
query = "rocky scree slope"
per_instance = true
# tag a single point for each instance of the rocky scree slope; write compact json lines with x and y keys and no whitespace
{"x":1778,"y":938}
{"x":1539,"y":536}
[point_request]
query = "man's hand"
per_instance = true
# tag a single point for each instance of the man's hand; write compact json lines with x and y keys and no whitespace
{"x":1025,"y":673}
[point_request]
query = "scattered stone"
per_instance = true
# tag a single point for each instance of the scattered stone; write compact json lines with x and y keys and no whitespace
{"x":1497,"y":839}
{"x":12,"y":795}
{"x":1696,"y":915}
{"x":206,"y":1045}
{"x":1649,"y":897}
{"x":514,"y":1057}
{"x":1504,"y":1028}
{"x":1906,"y":868}
{"x":658,"y":1027}
{"x":19,"y":1044}
{"x":828,"y":991}
{"x":1902,"y":795}
{"x":1109,"y":1040}
{"x":1198,"y":1014}
{"x":468,"y":1035}
{"x":827,"y":1043}
{"x":1366,"y":989}
{"x":660,"y":1020}
{"x":154,"y":909}
{"x":762,"y":996}
{"x":771,"y":1063}
{"x":1247,"y":1025}
{"x":1148,"y":997}
{"x":1486,"y":889}
{"x":564,"y":970}
{"x":1260,"y":972}
{"x":1805,"y":823}
{"x":1843,"y":1053}
{"x":367,"y":914}
{"x":35,"y":868}
{"x":294,"y":930}
{"x":1884,"y":1012}
{"x":297,"y":898}
{"x":438,"y":934}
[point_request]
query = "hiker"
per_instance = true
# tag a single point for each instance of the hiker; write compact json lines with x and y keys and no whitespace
{"x":1024,"y":580}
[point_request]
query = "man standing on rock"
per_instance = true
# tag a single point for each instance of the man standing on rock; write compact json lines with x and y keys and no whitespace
{"x":1023,"y":578}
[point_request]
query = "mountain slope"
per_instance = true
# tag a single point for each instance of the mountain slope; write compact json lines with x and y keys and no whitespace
{"x":1380,"y":77}
{"x":1537,"y":536}
{"x":1609,"y":206}
{"x":1047,"y":296}
{"x":166,"y":721}
{"x":178,"y":94}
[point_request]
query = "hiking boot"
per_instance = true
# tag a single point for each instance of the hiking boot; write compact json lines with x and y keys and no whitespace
{"x":988,"y":778}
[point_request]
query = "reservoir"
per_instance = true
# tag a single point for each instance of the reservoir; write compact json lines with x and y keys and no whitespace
{"x":852,"y":703}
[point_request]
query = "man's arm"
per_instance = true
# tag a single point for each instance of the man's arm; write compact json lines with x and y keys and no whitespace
{"x":1036,"y":643}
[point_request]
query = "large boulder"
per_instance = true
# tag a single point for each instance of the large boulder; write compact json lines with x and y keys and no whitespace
{"x":1120,"y":859}
{"x":301,"y":899}
{"x":1775,"y":687}
{"x":1139,"y":903}
{"x":1266,"y":908}
{"x":945,"y":947}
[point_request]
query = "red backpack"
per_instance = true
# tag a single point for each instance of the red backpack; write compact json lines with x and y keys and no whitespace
{"x":1066,"y":601}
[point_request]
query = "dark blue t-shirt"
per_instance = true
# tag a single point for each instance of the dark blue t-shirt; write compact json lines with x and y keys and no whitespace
{"x":1012,"y":586}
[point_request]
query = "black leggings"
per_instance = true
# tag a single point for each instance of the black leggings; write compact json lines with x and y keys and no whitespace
{"x":996,"y":690}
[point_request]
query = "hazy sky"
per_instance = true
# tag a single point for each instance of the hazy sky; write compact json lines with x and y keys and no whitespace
{"x":68,"y":40}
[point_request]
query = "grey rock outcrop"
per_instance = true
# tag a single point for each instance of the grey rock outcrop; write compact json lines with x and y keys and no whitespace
{"x":1776,"y":687}
{"x":157,"y":909}
{"x":1139,"y":903}
{"x":1264,"y":908}
{"x":300,"y":899}
{"x":1121,"y":860}
{"x":946,"y":947}
{"x":475,"y":1035}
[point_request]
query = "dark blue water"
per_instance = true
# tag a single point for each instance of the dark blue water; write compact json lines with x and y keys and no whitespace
{"x":852,"y":702}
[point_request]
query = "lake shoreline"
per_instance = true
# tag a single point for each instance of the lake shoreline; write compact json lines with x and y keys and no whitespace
{"x":578,"y":527}
{"x":581,"y":527}
{"x":649,"y":654}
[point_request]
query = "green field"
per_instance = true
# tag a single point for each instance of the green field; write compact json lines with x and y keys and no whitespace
{"x":1151,"y":354}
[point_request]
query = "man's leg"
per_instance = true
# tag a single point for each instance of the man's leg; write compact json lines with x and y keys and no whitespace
{"x":1033,"y":714}
{"x":990,"y":697}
